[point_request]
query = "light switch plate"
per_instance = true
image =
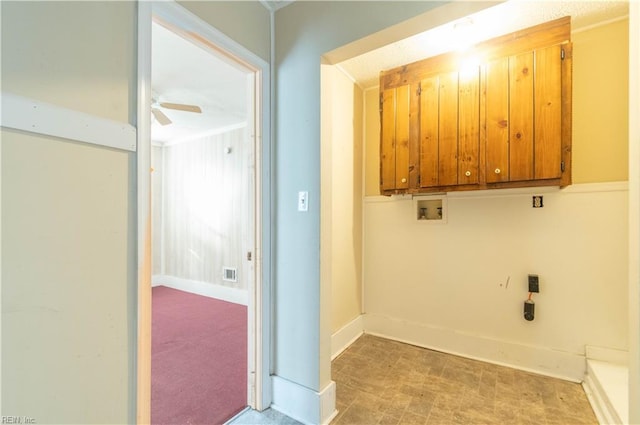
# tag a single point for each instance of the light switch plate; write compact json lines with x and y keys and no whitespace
{"x":303,"y":201}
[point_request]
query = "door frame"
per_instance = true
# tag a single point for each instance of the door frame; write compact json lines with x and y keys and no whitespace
{"x":259,"y":308}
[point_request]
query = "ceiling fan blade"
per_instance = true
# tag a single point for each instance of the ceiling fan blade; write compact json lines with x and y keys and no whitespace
{"x":160,"y":116}
{"x":181,"y":107}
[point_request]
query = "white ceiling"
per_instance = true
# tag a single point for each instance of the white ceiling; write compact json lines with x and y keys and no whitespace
{"x":498,"y":20}
{"x":183,"y":72}
{"x":274,"y":5}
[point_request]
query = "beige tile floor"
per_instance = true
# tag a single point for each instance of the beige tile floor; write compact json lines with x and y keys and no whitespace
{"x":386,"y":382}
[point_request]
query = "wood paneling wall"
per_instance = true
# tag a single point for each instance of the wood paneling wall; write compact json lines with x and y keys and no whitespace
{"x":205,"y":215}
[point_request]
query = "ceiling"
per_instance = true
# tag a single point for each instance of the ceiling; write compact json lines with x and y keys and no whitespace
{"x":498,"y":20}
{"x":274,"y":5}
{"x":183,"y":72}
{"x":186,"y":73}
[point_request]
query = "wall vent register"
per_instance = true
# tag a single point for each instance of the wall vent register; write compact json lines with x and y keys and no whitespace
{"x":229,"y":274}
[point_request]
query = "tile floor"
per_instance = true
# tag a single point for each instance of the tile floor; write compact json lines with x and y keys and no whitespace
{"x":386,"y":382}
{"x":266,"y":417}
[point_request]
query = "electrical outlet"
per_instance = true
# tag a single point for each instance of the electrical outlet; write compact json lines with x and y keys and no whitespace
{"x":534,"y":283}
{"x":538,"y":201}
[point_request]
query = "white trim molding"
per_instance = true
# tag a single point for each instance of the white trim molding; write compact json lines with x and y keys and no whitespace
{"x":143,"y":211}
{"x":303,"y":404}
{"x":345,"y":336}
{"x":34,"y":116}
{"x":634,"y":212}
{"x":606,"y":383}
{"x":617,"y":186}
{"x":195,"y":29}
{"x":540,"y":360}
{"x":189,"y":25}
{"x":607,"y":388}
{"x":604,"y":354}
{"x":211,"y":290}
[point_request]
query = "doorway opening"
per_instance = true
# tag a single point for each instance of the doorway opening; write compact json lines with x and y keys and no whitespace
{"x":203,"y":217}
{"x":202,"y":230}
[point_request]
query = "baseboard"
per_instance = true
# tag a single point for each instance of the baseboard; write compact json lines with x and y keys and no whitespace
{"x":540,"y":360}
{"x":237,"y":415}
{"x":224,"y":293}
{"x":342,"y":339}
{"x":597,"y":401}
{"x":609,"y":355}
{"x":303,"y":404}
{"x":607,"y":388}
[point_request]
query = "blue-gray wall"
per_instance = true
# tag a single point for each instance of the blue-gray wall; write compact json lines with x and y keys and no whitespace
{"x":304,"y":32}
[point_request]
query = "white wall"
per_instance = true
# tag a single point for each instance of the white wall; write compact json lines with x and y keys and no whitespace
{"x":68,"y":279}
{"x":444,"y":285}
{"x":68,"y":219}
{"x":342,"y":182}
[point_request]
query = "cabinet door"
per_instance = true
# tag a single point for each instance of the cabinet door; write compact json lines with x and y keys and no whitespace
{"x":448,"y":129}
{"x":468,"y":125}
{"x":548,"y":113}
{"x":497,"y":120}
{"x":394,"y":142}
{"x":522,"y":118}
{"x":429,"y":136}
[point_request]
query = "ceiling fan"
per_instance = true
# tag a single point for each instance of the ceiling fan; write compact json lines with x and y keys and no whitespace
{"x":162,"y":118}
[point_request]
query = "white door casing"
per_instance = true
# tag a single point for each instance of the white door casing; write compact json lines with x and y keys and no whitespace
{"x":259,"y":265}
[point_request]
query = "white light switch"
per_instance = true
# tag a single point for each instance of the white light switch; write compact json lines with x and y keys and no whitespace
{"x":303,"y":201}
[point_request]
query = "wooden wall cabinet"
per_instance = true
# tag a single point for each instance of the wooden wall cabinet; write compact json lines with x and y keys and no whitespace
{"x":450,"y":129}
{"x":523,"y":100}
{"x":395,"y":167}
{"x":503,"y":122}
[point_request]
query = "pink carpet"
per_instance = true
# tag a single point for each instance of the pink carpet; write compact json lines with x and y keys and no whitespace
{"x":198,"y":360}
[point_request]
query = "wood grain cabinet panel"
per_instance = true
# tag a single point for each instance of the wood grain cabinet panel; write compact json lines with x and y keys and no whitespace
{"x":468,"y":125}
{"x":448,"y":125}
{"x":388,"y":140}
{"x":521,"y":117}
{"x":394,"y":148}
{"x":548,"y":113}
{"x":503,"y":123}
{"x":450,"y":129}
{"x":524,"y":117}
{"x":402,"y":137}
{"x":497,"y":120}
{"x":429,"y":131}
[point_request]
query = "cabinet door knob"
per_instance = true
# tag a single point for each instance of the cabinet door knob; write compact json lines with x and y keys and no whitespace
{"x":468,"y":173}
{"x":404,"y":180}
{"x":497,"y":171}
